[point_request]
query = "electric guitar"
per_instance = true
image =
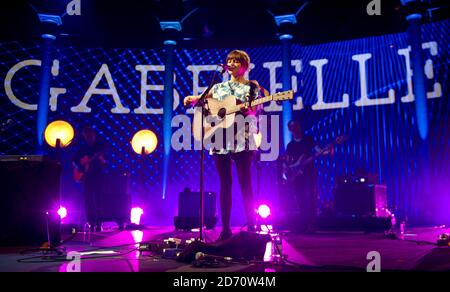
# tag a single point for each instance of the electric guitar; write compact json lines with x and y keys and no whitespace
{"x":220,"y":114}
{"x":83,"y":165}
{"x":293,"y":169}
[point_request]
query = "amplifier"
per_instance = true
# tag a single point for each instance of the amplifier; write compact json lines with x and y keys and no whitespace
{"x":189,"y":204}
{"x":189,"y":210}
{"x":360,"y":199}
{"x":29,"y":200}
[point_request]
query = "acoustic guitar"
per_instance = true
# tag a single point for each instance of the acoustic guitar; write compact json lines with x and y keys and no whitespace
{"x":220,"y":114}
{"x":83,"y":165}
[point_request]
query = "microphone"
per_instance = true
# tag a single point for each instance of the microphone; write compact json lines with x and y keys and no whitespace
{"x":224,"y":67}
{"x":207,"y":257}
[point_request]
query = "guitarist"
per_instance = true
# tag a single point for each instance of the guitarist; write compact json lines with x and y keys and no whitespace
{"x":300,"y":193}
{"x":89,"y":164}
{"x":240,"y":148}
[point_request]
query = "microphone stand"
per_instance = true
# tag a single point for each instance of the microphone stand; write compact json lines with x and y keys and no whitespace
{"x":202,"y":102}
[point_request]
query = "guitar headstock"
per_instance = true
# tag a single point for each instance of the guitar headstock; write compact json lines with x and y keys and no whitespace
{"x":285,"y":95}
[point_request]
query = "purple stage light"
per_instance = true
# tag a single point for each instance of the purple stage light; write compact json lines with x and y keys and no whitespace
{"x":135,"y":216}
{"x":138,"y":235}
{"x":263,"y":211}
{"x":62,"y":212}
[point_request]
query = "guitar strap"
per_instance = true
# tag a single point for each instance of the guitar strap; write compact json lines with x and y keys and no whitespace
{"x":254,"y":89}
{"x":224,"y":140}
{"x":231,"y":87}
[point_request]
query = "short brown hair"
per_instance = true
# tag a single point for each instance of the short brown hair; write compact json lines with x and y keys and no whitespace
{"x":241,"y":56}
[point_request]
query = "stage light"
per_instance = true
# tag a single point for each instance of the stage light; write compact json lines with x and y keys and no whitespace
{"x":267,"y":228}
{"x":62,"y":212}
{"x":135,"y":216}
{"x":144,"y":142}
{"x":263,"y":211}
{"x":268,"y":254}
{"x":263,"y":222}
{"x":408,"y":2}
{"x":258,"y":139}
{"x":59,"y":134}
{"x":138,"y":235}
{"x":98,"y":252}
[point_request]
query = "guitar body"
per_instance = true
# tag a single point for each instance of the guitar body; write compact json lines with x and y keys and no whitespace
{"x":80,"y":169}
{"x":216,"y":107}
{"x":77,"y":175}
{"x":217,"y":118}
{"x":83,"y":166}
{"x":295,"y":169}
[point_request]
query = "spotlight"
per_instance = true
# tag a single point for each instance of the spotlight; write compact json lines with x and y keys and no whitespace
{"x":59,"y":134}
{"x":137,"y":235}
{"x":135,"y":216}
{"x":263,"y":211}
{"x":135,"y":219}
{"x":62,"y":212}
{"x":407,"y":2}
{"x":264,"y":220}
{"x":144,"y":142}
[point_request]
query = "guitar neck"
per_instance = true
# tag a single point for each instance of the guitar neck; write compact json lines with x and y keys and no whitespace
{"x":314,"y":156}
{"x":255,"y":102}
{"x":323,"y":150}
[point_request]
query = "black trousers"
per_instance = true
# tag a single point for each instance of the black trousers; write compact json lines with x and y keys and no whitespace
{"x":300,"y":201}
{"x":243,"y":162}
{"x":93,"y":188}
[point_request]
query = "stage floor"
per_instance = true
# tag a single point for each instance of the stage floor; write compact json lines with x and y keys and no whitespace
{"x":116,"y":251}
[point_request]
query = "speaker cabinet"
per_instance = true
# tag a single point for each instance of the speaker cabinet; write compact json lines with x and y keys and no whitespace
{"x":189,"y":210}
{"x":360,"y":199}
{"x":115,"y":200}
{"x":29,"y":195}
{"x":352,"y":223}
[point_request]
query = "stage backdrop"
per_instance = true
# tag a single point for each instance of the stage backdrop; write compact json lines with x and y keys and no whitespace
{"x":359,"y":88}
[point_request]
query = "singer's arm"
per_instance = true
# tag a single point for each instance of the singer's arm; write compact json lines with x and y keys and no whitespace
{"x":192,"y":99}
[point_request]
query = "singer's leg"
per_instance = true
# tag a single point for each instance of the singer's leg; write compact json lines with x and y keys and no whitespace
{"x":244,"y":161}
{"x":223,"y":165}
